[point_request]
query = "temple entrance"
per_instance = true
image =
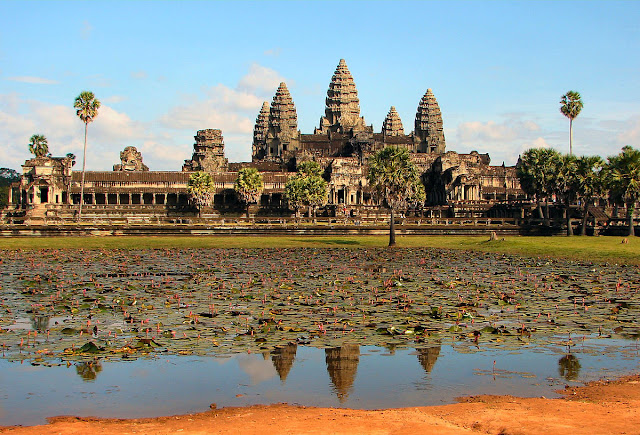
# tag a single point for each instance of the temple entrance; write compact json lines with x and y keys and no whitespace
{"x":44,"y":194}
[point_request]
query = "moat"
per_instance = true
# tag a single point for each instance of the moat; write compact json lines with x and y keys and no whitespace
{"x":106,"y":330}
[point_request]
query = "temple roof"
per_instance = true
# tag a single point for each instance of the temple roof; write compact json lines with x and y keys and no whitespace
{"x":392,"y":125}
{"x":342,"y":110}
{"x":428,"y":125}
{"x":283,"y":119}
{"x":262,"y":123}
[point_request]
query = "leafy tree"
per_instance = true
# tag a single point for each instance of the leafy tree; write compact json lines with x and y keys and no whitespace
{"x":623,"y":180}
{"x":571,"y":107}
{"x":249,"y":186}
{"x":310,"y":168}
{"x":588,"y":183}
{"x":38,"y":145}
{"x":307,"y":187}
{"x":294,"y":191}
{"x":86,"y":106}
{"x":396,"y":181}
{"x":201,"y":189}
{"x":7,"y":177}
{"x":317,"y":193}
{"x":536,"y":171}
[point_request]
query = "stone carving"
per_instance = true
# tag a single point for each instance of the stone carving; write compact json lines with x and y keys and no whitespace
{"x":392,"y":125}
{"x":130,"y":160}
{"x":342,"y":111}
{"x":428,"y":127}
{"x":260,"y":132}
{"x":208,"y":152}
{"x":282,"y":133}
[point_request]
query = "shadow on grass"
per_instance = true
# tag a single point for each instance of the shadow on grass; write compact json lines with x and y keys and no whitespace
{"x":329,"y":241}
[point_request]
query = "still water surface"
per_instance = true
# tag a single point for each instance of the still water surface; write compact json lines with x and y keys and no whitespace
{"x":366,"y":377}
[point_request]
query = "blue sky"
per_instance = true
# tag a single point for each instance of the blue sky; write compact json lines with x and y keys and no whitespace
{"x":164,"y":70}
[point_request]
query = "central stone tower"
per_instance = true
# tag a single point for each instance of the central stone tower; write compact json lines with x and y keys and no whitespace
{"x":282,"y":126}
{"x":342,"y":111}
{"x":429,"y":131}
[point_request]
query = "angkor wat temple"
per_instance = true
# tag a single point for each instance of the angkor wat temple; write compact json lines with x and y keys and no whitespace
{"x":460,"y":184}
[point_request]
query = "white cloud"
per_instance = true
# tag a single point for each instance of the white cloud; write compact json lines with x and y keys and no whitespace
{"x":86,"y":30}
{"x":260,"y":79}
{"x":504,"y":140}
{"x":630,"y":135}
{"x":141,"y":75}
{"x":114,"y":99}
{"x":476,"y":131}
{"x":32,"y":80}
{"x":274,"y":52}
{"x":202,"y":114}
{"x":258,"y":370}
{"x":231,"y":110}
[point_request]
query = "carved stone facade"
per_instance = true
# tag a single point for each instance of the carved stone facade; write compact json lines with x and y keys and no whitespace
{"x":130,"y":160}
{"x":283,"y":136}
{"x":342,"y":111}
{"x":45,"y":180}
{"x":392,"y":125}
{"x":342,"y":145}
{"x":260,"y":133}
{"x":428,"y":127}
{"x":208,"y":152}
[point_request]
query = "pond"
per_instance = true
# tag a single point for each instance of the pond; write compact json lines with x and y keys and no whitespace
{"x":364,"y":377}
{"x":153,"y":332}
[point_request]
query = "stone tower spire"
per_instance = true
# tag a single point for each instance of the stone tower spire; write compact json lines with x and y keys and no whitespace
{"x":392,"y":125}
{"x":342,"y":111}
{"x":208,"y":152}
{"x":260,"y":132}
{"x":282,"y":131}
{"x":428,"y":128}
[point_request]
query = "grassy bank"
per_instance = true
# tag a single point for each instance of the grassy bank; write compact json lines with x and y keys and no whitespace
{"x":584,"y":248}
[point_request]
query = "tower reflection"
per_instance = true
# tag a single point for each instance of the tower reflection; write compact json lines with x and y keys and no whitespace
{"x":282,"y":358}
{"x":342,"y":365}
{"x":428,"y":357}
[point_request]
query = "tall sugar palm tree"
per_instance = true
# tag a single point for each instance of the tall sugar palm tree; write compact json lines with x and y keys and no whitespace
{"x":249,"y":186}
{"x":201,"y":188}
{"x":536,"y":171}
{"x":564,"y":181}
{"x":86,"y":106}
{"x":395,"y":179}
{"x":38,"y":145}
{"x":571,"y":107}
{"x":623,"y":179}
{"x":588,"y":184}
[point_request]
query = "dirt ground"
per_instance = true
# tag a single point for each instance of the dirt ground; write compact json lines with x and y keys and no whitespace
{"x":603,"y":407}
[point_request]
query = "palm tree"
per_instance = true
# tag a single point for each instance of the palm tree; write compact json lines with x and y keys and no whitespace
{"x":86,"y":106}
{"x":38,"y":145}
{"x":588,"y":184}
{"x":571,"y":107}
{"x":536,"y":171}
{"x":623,"y":180}
{"x":395,"y":179}
{"x":249,"y":186}
{"x":564,"y":182}
{"x":201,"y":188}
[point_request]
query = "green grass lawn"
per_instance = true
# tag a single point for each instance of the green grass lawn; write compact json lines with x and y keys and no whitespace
{"x":582,"y":248}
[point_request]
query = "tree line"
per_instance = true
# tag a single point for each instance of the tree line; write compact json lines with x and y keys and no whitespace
{"x":547,"y":176}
